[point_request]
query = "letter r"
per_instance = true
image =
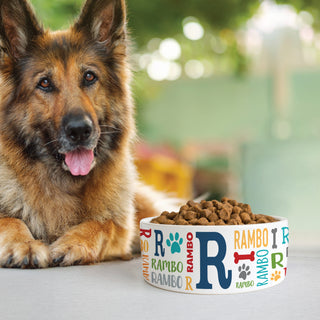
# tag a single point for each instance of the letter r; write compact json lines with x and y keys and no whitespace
{"x":159,"y":241}
{"x":275,"y":262}
{"x":285,"y":235}
{"x":205,"y":261}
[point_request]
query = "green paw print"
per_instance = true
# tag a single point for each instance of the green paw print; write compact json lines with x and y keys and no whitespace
{"x":174,"y":243}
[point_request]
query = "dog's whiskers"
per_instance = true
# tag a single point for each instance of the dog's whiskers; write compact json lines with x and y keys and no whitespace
{"x":51,"y":142}
{"x":109,"y":132}
{"x":111,"y":127}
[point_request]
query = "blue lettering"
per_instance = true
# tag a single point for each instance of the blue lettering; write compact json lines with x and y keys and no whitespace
{"x":263,"y":269}
{"x":205,"y":261}
{"x":159,"y":241}
{"x":285,"y":235}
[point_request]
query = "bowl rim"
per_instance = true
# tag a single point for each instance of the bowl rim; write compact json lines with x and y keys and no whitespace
{"x":253,"y":225}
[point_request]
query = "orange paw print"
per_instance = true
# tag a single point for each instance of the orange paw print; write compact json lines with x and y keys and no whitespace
{"x":276,"y":276}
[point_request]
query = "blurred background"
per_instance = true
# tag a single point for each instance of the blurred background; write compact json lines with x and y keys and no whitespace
{"x":228,"y":101}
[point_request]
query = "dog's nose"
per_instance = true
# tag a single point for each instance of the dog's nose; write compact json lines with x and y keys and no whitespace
{"x":78,"y":128}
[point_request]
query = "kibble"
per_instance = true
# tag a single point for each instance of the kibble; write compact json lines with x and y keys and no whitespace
{"x":224,"y":212}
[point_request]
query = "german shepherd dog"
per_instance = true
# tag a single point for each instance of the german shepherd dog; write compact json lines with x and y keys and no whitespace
{"x":69,"y":192}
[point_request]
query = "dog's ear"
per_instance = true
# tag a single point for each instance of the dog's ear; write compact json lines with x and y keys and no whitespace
{"x":104,"y":20}
{"x":18,"y":26}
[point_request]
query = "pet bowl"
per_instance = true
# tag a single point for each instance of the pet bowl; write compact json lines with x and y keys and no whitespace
{"x":214,"y":259}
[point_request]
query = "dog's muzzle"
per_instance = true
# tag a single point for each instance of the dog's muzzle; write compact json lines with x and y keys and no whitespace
{"x":78,"y":141}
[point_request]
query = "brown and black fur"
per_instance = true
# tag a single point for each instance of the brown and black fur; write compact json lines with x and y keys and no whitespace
{"x":48,"y":216}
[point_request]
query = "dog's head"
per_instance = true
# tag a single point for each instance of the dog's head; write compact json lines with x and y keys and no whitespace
{"x":64,"y":95}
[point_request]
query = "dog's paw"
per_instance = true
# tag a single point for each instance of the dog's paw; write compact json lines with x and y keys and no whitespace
{"x":27,"y":254}
{"x":68,"y":251}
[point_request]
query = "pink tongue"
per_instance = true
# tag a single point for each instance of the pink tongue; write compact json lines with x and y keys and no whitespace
{"x":79,"y":161}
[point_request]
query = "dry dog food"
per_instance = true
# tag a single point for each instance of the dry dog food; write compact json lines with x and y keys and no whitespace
{"x":226,"y":212}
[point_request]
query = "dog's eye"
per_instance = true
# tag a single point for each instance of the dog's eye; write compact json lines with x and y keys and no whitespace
{"x":45,"y":85}
{"x":89,"y":78}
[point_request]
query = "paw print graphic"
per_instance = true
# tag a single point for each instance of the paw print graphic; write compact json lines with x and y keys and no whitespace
{"x":276,"y":276}
{"x":244,"y":271}
{"x":174,"y":242}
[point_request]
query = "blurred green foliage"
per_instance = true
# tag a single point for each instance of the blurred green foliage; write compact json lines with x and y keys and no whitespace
{"x":156,"y":18}
{"x":312,"y":6}
{"x":163,"y":18}
{"x":56,"y":14}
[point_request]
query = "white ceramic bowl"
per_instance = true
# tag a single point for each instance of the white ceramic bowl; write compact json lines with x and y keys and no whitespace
{"x":214,"y":259}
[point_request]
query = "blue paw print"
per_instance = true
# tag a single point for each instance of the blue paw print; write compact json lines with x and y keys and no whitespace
{"x":174,"y":243}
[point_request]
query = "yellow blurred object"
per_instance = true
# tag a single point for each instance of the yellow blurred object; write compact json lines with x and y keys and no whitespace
{"x":167,"y":174}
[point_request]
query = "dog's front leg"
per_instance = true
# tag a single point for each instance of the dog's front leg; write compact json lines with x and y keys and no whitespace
{"x":18,"y":248}
{"x":90,"y":242}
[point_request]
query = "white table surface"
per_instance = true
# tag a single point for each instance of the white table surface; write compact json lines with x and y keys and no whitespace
{"x":116,"y":290}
